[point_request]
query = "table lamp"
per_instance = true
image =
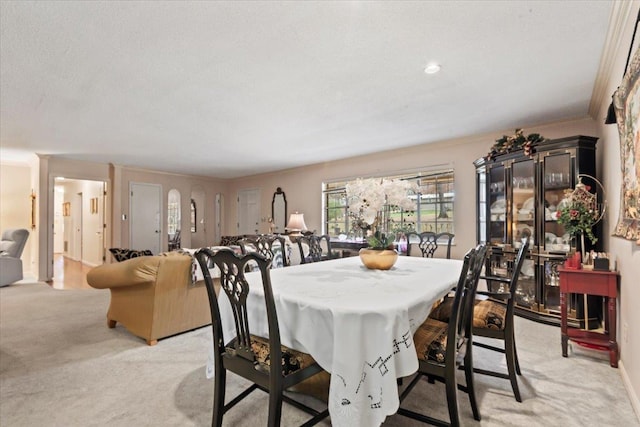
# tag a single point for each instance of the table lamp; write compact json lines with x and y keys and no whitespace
{"x":296,"y":224}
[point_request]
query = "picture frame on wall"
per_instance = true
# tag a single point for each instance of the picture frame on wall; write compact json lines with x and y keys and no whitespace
{"x":626,"y":101}
{"x":66,"y":209}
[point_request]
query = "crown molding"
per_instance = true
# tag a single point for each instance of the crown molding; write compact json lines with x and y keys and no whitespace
{"x":620,"y":15}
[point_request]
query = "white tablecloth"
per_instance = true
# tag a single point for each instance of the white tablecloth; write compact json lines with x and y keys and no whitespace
{"x":357,"y":323}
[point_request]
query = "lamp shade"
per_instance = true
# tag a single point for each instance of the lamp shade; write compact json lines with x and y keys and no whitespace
{"x":296,"y":222}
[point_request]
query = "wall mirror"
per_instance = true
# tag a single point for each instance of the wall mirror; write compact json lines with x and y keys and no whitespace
{"x":279,"y":211}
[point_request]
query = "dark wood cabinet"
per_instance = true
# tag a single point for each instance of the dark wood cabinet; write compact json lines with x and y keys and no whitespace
{"x":517,"y":196}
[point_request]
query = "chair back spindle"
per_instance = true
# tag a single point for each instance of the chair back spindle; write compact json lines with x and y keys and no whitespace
{"x":316,"y":250}
{"x":428,"y":242}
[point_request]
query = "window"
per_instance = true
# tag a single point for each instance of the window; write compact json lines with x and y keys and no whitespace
{"x":173,"y":212}
{"x":434,"y":206}
{"x":337,"y":219}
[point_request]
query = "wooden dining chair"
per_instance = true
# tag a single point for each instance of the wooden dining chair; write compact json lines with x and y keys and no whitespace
{"x":174,"y":241}
{"x":316,"y":251}
{"x":428,"y":242}
{"x":271,"y":246}
{"x":493,"y":318}
{"x":443,"y":347}
{"x":248,"y":355}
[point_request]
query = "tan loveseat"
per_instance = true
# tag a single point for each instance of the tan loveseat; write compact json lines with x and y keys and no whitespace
{"x":153,"y":296}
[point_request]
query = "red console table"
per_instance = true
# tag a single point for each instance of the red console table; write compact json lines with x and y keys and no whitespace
{"x":590,"y":282}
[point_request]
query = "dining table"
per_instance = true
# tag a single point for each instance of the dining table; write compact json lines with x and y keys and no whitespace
{"x":357,"y":323}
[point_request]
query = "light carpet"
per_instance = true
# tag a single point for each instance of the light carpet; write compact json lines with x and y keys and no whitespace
{"x":61,"y":366}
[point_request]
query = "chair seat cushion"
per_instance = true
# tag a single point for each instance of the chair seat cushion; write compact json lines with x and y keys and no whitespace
{"x":442,"y":311}
{"x":292,"y":360}
{"x":489,"y":314}
{"x":431,"y":341}
{"x":486,"y":314}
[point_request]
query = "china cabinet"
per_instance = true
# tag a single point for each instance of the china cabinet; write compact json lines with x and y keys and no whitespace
{"x":518,"y":196}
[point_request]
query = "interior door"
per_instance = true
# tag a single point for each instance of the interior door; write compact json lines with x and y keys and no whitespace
{"x":248,"y":211}
{"x":145,"y":216}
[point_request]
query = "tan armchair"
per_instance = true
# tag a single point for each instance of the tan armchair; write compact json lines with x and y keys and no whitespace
{"x":153,"y":296}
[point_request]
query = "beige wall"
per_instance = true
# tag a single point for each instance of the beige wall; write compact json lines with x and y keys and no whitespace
{"x":118,"y":179}
{"x":15,"y":208}
{"x":626,"y":252}
{"x":205,"y":188}
{"x":303,"y":186}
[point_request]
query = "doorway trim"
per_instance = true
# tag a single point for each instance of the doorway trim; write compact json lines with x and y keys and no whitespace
{"x":106,"y":228}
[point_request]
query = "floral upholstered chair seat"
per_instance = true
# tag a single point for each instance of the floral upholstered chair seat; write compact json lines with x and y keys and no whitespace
{"x":487,"y":313}
{"x":431,"y":341}
{"x":292,"y":360}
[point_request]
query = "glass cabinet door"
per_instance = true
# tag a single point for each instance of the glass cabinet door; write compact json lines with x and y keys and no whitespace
{"x":556,"y":177}
{"x":551,"y":288}
{"x":523,"y":202}
{"x":526,"y":295}
{"x":482,"y":208}
{"x":501,"y":265}
{"x":497,"y":205}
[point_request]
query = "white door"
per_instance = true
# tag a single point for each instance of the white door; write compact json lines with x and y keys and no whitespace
{"x":248,"y":211}
{"x":58,"y":221}
{"x":145,"y":217}
{"x":76,"y":221}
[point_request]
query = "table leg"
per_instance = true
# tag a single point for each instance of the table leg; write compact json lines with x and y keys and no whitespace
{"x":563,"y":322}
{"x":613,"y":345}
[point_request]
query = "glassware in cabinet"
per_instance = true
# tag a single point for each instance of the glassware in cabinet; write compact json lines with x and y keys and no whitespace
{"x":551,"y":281}
{"x":556,"y":181}
{"x":523,"y":202}
{"x":501,"y":264}
{"x":497,"y":205}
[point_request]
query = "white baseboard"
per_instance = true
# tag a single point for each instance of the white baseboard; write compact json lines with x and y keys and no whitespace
{"x":89,"y":264}
{"x":633,"y":397}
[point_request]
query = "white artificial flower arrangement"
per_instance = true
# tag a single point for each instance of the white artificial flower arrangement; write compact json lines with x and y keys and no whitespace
{"x":368,"y":197}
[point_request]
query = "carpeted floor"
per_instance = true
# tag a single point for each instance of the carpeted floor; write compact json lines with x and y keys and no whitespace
{"x":61,"y":366}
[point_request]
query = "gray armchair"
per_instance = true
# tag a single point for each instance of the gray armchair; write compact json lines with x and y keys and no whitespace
{"x":11,"y":247}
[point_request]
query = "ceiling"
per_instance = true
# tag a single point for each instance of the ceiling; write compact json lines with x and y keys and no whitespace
{"x":229,"y":89}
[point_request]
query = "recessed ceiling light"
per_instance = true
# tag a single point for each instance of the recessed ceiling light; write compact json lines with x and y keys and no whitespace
{"x":432,"y":68}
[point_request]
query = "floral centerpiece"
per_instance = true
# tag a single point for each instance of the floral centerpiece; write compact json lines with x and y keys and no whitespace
{"x":578,"y":212}
{"x":367,"y":200}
